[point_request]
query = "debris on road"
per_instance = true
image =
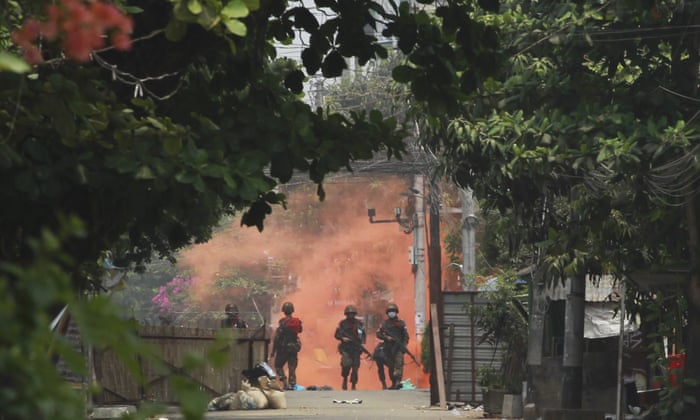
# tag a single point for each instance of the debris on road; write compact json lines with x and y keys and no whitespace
{"x":355,"y":401}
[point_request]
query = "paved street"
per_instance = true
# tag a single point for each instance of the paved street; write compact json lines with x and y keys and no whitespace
{"x":404,"y":404}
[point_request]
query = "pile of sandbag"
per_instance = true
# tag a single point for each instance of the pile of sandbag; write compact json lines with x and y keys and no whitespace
{"x":269,"y":394}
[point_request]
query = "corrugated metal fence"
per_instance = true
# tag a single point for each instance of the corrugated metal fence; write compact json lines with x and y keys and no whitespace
{"x":173,"y":345}
{"x":463,"y":353}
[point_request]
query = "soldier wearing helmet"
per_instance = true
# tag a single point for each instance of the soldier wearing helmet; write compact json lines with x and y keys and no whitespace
{"x":233,"y":319}
{"x":286,"y":346}
{"x":351,"y":335}
{"x":394,"y":335}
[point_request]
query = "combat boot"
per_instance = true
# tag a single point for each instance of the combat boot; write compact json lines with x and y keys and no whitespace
{"x":345,"y":384}
{"x":383,"y":384}
{"x":354,"y":386}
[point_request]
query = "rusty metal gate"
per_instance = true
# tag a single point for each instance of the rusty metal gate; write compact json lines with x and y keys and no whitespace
{"x":118,"y":385}
{"x":463,"y":354}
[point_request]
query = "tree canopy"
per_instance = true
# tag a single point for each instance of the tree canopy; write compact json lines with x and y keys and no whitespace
{"x":578,"y":118}
{"x":134,"y":126}
{"x":587,"y":138}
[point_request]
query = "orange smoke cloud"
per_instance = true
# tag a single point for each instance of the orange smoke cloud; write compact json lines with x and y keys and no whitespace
{"x":334,"y":257}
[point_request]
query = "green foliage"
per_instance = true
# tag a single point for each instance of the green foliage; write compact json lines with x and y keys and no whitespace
{"x":149,"y":149}
{"x":31,"y":385}
{"x":12,"y":63}
{"x":370,"y":88}
{"x":146,"y":175}
{"x":488,"y":377}
{"x":425,"y":354}
{"x":574,"y":142}
{"x":31,"y":295}
{"x":664,"y":314}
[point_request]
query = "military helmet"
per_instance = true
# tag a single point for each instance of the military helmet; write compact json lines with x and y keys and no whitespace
{"x":231,"y":309}
{"x":287,"y":307}
{"x":392,"y":307}
{"x":350,"y":309}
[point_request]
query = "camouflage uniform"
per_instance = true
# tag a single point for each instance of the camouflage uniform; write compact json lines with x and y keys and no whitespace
{"x":395,"y":336}
{"x":380,"y":359}
{"x":351,"y":334}
{"x":286,"y":346}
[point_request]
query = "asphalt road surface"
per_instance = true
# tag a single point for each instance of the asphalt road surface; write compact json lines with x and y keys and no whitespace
{"x":400,"y":404}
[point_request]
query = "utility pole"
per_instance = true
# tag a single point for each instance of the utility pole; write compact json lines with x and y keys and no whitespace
{"x":435,"y":282}
{"x":572,"y":361}
{"x":572,"y":364}
{"x":469,"y":224}
{"x":419,"y":256}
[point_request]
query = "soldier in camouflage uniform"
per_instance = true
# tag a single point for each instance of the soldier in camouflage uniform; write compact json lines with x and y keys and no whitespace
{"x":286,"y":346}
{"x":351,"y":334}
{"x":233,"y":318}
{"x":394,"y":334}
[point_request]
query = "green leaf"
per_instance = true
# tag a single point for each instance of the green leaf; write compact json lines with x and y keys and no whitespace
{"x":311,"y":60}
{"x":281,"y":168}
{"x":556,"y":39}
{"x":235,"y":9}
{"x":175,"y":30}
{"x":132,"y":10}
{"x":408,"y":35}
{"x":489,"y":5}
{"x":12,"y":63}
{"x":172,"y":145}
{"x":304,"y":19}
{"x":156,"y":123}
{"x":375,"y":116}
{"x":333,"y":65}
{"x":193,"y":402}
{"x":294,"y":81}
{"x":209,"y":17}
{"x":194,"y":7}
{"x":230,"y":182}
{"x":403,"y":73}
{"x":144,"y":172}
{"x":236,"y":27}
{"x":199,"y":184}
{"x":252,"y":4}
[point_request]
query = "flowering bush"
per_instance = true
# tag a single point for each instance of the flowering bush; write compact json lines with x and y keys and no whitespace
{"x":79,"y":28}
{"x":172,"y":298}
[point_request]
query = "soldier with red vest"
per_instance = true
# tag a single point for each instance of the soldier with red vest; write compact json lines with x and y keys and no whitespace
{"x":351,"y":334}
{"x":286,"y":346}
{"x":394,"y":335}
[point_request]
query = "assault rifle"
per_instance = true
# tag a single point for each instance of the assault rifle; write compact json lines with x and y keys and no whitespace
{"x":402,"y":347}
{"x":357,"y":345}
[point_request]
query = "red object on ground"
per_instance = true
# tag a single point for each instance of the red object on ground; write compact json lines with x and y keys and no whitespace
{"x":676,"y":366}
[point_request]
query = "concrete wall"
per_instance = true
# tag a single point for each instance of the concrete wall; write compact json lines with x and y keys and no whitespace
{"x":599,"y":382}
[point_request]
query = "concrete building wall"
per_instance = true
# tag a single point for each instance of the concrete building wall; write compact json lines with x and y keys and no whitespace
{"x":599,"y":381}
